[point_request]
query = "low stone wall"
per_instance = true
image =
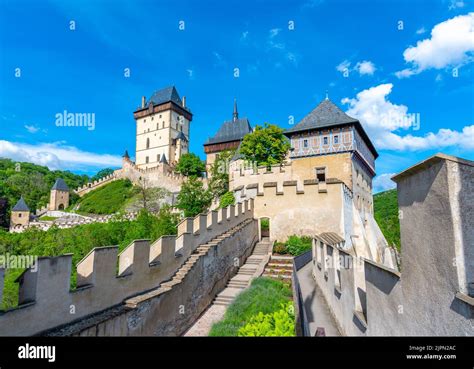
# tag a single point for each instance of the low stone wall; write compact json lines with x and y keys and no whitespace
{"x":172,"y":312}
{"x":45,"y":298}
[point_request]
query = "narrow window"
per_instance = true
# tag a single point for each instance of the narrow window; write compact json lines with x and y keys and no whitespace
{"x":336,"y":139}
{"x":158,"y":157}
{"x":321,"y":174}
{"x":325,"y":140}
{"x":146,"y":160}
{"x":147,"y":143}
{"x":305,"y":143}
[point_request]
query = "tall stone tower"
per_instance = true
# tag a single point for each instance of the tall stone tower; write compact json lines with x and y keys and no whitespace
{"x":20,"y":214}
{"x":163,"y":124}
{"x":59,"y":197}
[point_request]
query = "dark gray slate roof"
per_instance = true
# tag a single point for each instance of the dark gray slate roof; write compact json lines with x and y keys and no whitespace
{"x":181,"y":137}
{"x":21,"y":205}
{"x":232,"y":130}
{"x":163,"y":159}
{"x":165,"y":95}
{"x":60,"y":185}
{"x":326,"y":114}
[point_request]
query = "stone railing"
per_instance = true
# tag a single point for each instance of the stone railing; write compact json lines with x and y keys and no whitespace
{"x":46,"y":300}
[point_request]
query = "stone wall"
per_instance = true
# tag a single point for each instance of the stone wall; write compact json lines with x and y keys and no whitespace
{"x":45,"y":298}
{"x":431,"y":295}
{"x":170,"y":312}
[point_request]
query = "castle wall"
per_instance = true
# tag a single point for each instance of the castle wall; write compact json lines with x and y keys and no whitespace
{"x":171,"y":312}
{"x":45,"y":297}
{"x":19,"y":218}
{"x":431,"y":294}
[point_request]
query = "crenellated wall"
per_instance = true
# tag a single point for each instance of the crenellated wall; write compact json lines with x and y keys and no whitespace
{"x":106,"y":278}
{"x":432,"y":295}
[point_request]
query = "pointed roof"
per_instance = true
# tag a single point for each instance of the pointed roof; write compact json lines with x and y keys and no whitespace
{"x":21,"y":205}
{"x":231,"y":130}
{"x":236,"y":113}
{"x":163,"y":159}
{"x":125,"y":155}
{"x":181,"y":136}
{"x":327,"y":115}
{"x":60,"y":185}
{"x":165,"y":95}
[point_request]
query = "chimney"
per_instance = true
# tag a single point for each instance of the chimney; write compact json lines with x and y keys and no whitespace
{"x":184,"y":101}
{"x":143,"y":101}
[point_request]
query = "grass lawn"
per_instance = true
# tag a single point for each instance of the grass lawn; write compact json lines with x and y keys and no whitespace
{"x":48,"y":218}
{"x":264,"y":295}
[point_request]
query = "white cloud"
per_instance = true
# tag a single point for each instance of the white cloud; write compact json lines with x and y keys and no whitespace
{"x":451,"y":44}
{"x":384,"y":120}
{"x":57,"y":155}
{"x":455,"y":4}
{"x":343,"y":66}
{"x":32,"y":128}
{"x":420,"y":31}
{"x":274,"y":32}
{"x":383,"y":182}
{"x":365,"y":67}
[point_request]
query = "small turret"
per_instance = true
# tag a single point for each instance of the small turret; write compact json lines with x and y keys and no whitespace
{"x":20,"y":213}
{"x":59,"y":197}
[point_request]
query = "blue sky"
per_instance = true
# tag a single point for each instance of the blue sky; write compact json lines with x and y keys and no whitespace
{"x":404,"y":68}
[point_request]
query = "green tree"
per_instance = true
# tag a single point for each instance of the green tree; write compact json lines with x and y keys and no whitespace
{"x":190,"y":165}
{"x":227,"y":199}
{"x":193,"y":198}
{"x":219,"y":173}
{"x":265,"y":145}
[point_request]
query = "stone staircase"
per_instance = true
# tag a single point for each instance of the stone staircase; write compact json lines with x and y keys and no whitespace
{"x":201,"y":250}
{"x":279,"y":267}
{"x":245,"y":274}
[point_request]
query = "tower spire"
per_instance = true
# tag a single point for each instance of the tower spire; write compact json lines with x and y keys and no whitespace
{"x":236,"y":113}
{"x":327,"y":95}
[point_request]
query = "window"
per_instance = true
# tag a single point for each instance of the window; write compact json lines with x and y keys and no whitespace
{"x":160,"y":115}
{"x":19,"y":215}
{"x":305,"y":143}
{"x":144,"y":120}
{"x":321,"y":174}
{"x":146,"y":160}
{"x":157,"y":125}
{"x":336,"y":139}
{"x":158,"y":157}
{"x":147,"y":143}
{"x":163,"y":124}
{"x":325,"y":140}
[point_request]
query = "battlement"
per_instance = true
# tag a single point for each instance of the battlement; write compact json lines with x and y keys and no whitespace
{"x":81,"y":191}
{"x":106,"y":277}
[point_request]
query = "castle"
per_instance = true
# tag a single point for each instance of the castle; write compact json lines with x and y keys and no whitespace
{"x":322,"y":190}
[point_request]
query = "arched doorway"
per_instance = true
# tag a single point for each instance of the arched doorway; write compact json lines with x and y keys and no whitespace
{"x":61,"y":207}
{"x":264,"y":227}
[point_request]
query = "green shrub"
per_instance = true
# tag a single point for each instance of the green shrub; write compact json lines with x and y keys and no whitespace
{"x":227,"y":199}
{"x":265,"y":224}
{"x":298,"y":245}
{"x":386,"y":215}
{"x":279,"y":248}
{"x":265,"y":295}
{"x":280,"y":323}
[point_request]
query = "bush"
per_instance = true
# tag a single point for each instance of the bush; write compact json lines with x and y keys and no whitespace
{"x":279,"y":248}
{"x":265,"y":224}
{"x":193,"y":198}
{"x":280,"y":323}
{"x":298,"y":245}
{"x":227,"y":199}
{"x":265,"y":295}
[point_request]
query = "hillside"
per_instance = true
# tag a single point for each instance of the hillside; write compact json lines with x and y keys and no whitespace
{"x":33,"y":182}
{"x":107,"y":199}
{"x":386,"y":215}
